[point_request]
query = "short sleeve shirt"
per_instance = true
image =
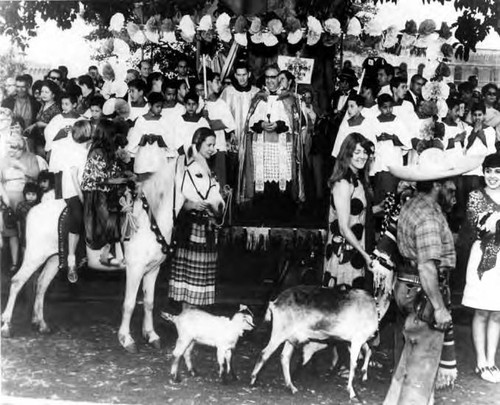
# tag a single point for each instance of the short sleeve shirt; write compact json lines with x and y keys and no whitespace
{"x":423,"y":232}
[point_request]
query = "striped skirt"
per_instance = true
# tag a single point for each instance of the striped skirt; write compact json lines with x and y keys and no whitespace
{"x":194,"y":268}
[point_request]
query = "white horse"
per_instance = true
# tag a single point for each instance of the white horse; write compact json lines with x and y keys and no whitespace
{"x":143,"y":252}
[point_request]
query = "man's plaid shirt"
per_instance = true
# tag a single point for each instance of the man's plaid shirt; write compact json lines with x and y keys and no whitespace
{"x":423,"y":232}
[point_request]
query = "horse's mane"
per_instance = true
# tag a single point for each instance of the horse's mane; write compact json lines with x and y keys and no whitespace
{"x":158,"y":189}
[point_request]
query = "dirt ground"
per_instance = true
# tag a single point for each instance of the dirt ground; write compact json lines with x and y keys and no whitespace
{"x":82,"y":360}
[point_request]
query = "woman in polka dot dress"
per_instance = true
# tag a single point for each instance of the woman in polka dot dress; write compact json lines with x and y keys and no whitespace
{"x":346,"y":257}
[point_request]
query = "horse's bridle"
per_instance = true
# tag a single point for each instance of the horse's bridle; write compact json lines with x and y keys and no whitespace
{"x":211,"y":183}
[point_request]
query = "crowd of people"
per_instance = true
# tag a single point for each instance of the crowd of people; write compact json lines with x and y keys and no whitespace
{"x":267,"y":139}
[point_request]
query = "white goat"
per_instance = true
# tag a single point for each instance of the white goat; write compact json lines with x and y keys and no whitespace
{"x":197,"y":326}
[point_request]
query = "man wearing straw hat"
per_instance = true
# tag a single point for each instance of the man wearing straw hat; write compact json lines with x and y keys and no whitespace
{"x":421,"y":290}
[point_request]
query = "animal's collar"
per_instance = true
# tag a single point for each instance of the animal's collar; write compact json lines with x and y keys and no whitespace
{"x":166,"y":249}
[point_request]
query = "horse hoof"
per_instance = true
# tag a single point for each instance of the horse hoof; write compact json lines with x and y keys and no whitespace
{"x":252,"y":381}
{"x":175,"y":379}
{"x":131,"y":348}
{"x":293,"y":390}
{"x":193,"y":373}
{"x":44,"y":330}
{"x":156,"y":344}
{"x":5,"y":330}
{"x":127,"y":343}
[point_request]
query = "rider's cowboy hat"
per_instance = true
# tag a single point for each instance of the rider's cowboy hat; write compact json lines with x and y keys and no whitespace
{"x":435,"y":164}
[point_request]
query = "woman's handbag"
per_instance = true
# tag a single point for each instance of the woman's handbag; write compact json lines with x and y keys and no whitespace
{"x":9,"y":217}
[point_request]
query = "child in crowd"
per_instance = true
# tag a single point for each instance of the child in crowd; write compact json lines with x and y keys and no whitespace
{"x":401,"y":108}
{"x":356,"y":122}
{"x":172,"y":109}
{"x":199,"y":89}
{"x":62,"y":121}
{"x":182,"y":90}
{"x":189,"y":122}
{"x":96,"y":104}
{"x":138,"y":104}
{"x":151,"y":124}
{"x":392,"y":142}
{"x":17,"y":125}
{"x":454,"y":135}
{"x":31,"y":194}
{"x":221,"y":122}
{"x":479,"y":141}
{"x":46,"y":185}
{"x":17,"y":128}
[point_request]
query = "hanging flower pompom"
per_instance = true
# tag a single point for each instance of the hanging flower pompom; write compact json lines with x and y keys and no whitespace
{"x":223,"y":28}
{"x":255,"y":26}
{"x":443,"y":70}
{"x":410,"y":27}
{"x":433,"y":90}
{"x":354,"y":27}
{"x":107,"y":47}
{"x":241,"y":39}
{"x":269,"y":39}
{"x":186,"y":25}
{"x":135,"y":33}
{"x":407,"y":40}
{"x":314,"y":30}
{"x":275,"y":26}
{"x":447,"y":50}
{"x":257,"y":38}
{"x":444,"y":31}
{"x":168,"y":30}
{"x":240,"y":25}
{"x":223,"y":21}
{"x":391,"y":37}
{"x":152,"y":29}
{"x":424,"y":41}
{"x":292,"y":24}
{"x":427,"y":27}
{"x":295,"y":37}
{"x":332,"y":26}
{"x":205,"y":23}
{"x":117,"y":21}
{"x":132,"y":29}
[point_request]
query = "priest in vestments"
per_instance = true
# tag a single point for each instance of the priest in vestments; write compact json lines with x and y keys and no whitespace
{"x":270,"y":181}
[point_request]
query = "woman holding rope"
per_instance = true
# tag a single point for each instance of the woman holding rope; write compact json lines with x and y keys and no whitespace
{"x":194,"y":266}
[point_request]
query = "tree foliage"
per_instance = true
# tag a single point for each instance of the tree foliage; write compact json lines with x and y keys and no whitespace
{"x":474,"y":24}
{"x":477,"y":17}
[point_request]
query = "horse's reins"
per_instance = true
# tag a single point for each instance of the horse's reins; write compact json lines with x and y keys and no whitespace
{"x":227,"y":189}
{"x":229,"y":192}
{"x":210,"y":184}
{"x":166,"y":248}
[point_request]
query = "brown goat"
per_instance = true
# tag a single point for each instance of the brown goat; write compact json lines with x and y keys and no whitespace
{"x":304,"y":315}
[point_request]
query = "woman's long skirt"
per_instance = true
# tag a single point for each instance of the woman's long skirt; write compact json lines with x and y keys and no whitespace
{"x":194,"y":267}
